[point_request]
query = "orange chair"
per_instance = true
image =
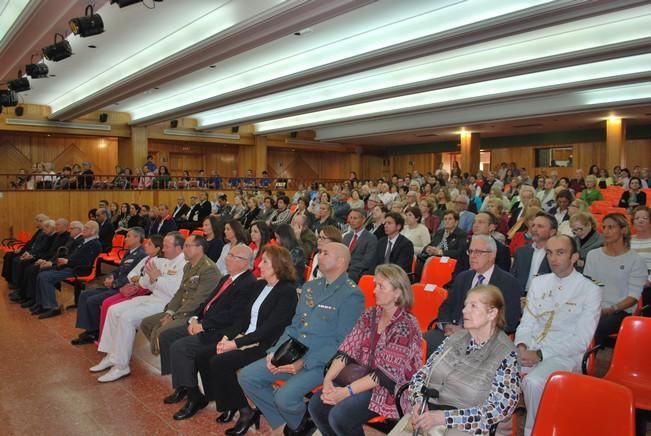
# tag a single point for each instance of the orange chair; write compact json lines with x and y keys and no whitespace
{"x":631,"y":362}
{"x":197,"y":232}
{"x":13,"y":244}
{"x":79,"y":283}
{"x":114,"y":256}
{"x":367,"y":285}
{"x":427,"y":301}
{"x":574,"y":404}
{"x":184,"y":232}
{"x":600,"y":206}
{"x":647,"y":191}
{"x":438,"y":270}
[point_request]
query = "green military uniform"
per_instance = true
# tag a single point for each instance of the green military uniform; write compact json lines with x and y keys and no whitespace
{"x":197,"y":284}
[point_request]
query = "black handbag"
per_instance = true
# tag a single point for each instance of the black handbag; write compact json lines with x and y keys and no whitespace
{"x":355,"y":371}
{"x":289,"y":352}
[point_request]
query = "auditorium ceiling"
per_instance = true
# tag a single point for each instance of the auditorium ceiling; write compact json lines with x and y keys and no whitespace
{"x":360,"y":71}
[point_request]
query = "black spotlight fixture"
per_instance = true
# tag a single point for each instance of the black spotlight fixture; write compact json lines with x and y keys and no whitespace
{"x":37,"y":71}
{"x":235,"y":129}
{"x":124,"y":3}
{"x":19,"y":111}
{"x":58,"y":51}
{"x":88,"y":25}
{"x":8,"y":98}
{"x":174,"y":124}
{"x":21,"y":84}
{"x":103,"y":117}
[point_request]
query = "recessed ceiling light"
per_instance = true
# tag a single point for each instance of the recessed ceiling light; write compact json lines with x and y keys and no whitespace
{"x":92,"y":46}
{"x":213,"y":66}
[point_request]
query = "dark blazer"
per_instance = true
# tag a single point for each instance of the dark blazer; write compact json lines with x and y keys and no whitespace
{"x":180,"y":211}
{"x":316,"y":226}
{"x":276,"y":313}
{"x":502,"y":259}
{"x":169,"y":225}
{"x":193,"y":213}
{"x":205,"y":209}
{"x":456,"y":242}
{"x":402,"y":252}
{"x":128,"y":262}
{"x":41,"y":245}
{"x":249,"y":216}
{"x":451,"y":309}
{"x":623,"y":201}
{"x":59,"y":240}
{"x":215,"y":247}
{"x":82,"y":259}
{"x":522,"y":265}
{"x":70,"y":246}
{"x":362,"y":258}
{"x":229,"y":309}
{"x":106,"y":233}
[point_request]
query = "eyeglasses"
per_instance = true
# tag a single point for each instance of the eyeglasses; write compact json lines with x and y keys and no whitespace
{"x":477,"y":252}
{"x":237,"y":257}
{"x":578,"y":230}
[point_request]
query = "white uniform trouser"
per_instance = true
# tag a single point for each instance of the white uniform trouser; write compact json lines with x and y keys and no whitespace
{"x":534,"y":383}
{"x":122,"y":322}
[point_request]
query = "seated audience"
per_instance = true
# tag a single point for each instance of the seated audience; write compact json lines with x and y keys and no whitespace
{"x":375,"y":222}
{"x":90,"y":301}
{"x":561,"y":211}
{"x":590,"y":193}
{"x":485,"y":224}
{"x":324,"y":217}
{"x":305,"y":236}
{"x":221,"y":314}
{"x":251,"y":213}
{"x":233,"y":235}
{"x":634,"y":196}
{"x":386,"y":340}
{"x":362,"y":245}
{"x":212,"y":232}
{"x":641,"y":244}
{"x":530,"y":260}
{"x":620,"y":270}
{"x":474,"y":371}
{"x":106,"y":230}
{"x":584,"y":228}
{"x":559,"y":320}
{"x":326,"y":312}
{"x":327,"y":234}
{"x":416,"y":232}
{"x":428,"y":219}
{"x":286,"y":237}
{"x":395,"y":248}
{"x":162,"y":277}
{"x":576,"y":206}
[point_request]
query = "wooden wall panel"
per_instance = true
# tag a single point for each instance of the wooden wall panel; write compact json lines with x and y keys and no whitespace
{"x":406,"y":163}
{"x":374,"y":166}
{"x":246,"y":159}
{"x":638,"y":152}
{"x":308,"y":165}
{"x":21,"y":150}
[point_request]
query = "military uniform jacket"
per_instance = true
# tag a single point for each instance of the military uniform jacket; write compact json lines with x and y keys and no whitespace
{"x":197,"y":283}
{"x":128,"y":262}
{"x":324,"y":317}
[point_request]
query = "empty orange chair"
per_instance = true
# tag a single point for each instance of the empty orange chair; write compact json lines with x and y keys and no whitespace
{"x":114,"y":256}
{"x":427,"y":301}
{"x":198,"y":232}
{"x":631,"y":362}
{"x":600,"y":206}
{"x":438,"y":270}
{"x":184,"y":232}
{"x":574,"y":404}
{"x":367,"y":285}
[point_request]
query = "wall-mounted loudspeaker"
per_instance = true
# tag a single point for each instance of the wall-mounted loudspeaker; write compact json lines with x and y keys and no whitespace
{"x":293,"y":134}
{"x":103,"y":117}
{"x":235,"y":129}
{"x":174,"y":124}
{"x":19,"y":111}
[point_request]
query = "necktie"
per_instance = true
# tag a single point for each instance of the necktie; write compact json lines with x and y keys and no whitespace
{"x":226,"y":284}
{"x":353,"y":242}
{"x":387,"y":254}
{"x":480,"y":279}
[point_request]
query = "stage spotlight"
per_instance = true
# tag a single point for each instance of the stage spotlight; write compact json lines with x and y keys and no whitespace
{"x":88,"y":25}
{"x":58,"y":51}
{"x":123,"y":3}
{"x":8,"y":98}
{"x":20,"y":84}
{"x":37,"y":71}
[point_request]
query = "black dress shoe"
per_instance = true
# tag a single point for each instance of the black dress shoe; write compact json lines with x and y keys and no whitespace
{"x":191,"y":408}
{"x":226,"y":416}
{"x":26,"y":304}
{"x":37,"y":309}
{"x":50,"y":313}
{"x":248,"y":417}
{"x":83,"y":340}
{"x":305,"y":428}
{"x":176,"y":397}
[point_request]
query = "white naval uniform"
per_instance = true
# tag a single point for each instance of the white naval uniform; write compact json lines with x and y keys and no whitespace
{"x":560,"y":319}
{"x":123,"y":319}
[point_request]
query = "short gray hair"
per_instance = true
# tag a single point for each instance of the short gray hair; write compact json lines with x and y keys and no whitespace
{"x":77,"y":225}
{"x":492,"y":245}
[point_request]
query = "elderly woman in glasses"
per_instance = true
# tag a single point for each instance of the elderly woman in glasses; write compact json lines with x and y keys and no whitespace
{"x":584,"y":228}
{"x":472,"y":381}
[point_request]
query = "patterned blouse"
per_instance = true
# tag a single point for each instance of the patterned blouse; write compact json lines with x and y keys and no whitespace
{"x":398,"y":354}
{"x":500,"y":404}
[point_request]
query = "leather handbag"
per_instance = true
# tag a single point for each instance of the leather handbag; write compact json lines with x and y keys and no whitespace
{"x":355,"y":371}
{"x":289,"y":352}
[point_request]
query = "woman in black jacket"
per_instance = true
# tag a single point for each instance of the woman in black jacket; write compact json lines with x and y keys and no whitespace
{"x":272,"y":308}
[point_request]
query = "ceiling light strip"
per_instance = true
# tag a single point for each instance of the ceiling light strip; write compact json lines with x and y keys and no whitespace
{"x":174,"y":132}
{"x":57,"y":124}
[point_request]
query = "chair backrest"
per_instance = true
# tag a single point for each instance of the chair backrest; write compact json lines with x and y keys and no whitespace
{"x":574,"y":404}
{"x":197,"y":232}
{"x":438,"y":270}
{"x":427,"y":301}
{"x":632,"y":356}
{"x":184,"y":232}
{"x":367,"y":285}
{"x":116,"y":245}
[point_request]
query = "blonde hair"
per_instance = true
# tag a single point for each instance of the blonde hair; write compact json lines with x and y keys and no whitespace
{"x":492,"y":297}
{"x":584,"y":218}
{"x":399,"y":280}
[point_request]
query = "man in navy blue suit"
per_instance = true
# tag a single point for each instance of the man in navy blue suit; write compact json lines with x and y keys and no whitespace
{"x":531,"y":260}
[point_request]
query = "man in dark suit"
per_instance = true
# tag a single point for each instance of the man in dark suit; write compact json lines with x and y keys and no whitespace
{"x":485,"y":224}
{"x":38,"y":250}
{"x":531,"y":260}
{"x":226,"y":305}
{"x":362,"y":245}
{"x":80,"y":263}
{"x":180,"y":210}
{"x":165,"y":223}
{"x":205,"y":208}
{"x":483,"y":270}
{"x":375,"y":222}
{"x":9,"y":256}
{"x":90,"y":301}
{"x":394,"y":247}
{"x":106,"y":230}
